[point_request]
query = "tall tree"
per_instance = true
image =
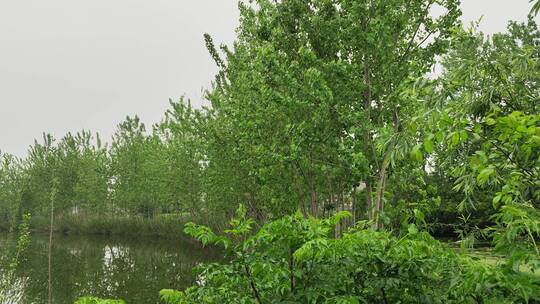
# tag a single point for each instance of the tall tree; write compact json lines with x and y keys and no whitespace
{"x":181,"y":132}
{"x":487,"y":122}
{"x":311,"y":93}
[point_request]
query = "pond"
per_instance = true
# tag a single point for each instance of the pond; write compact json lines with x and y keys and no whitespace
{"x":109,"y":267}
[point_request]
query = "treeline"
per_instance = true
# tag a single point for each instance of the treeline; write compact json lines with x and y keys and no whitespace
{"x":319,"y":108}
{"x":141,"y":173}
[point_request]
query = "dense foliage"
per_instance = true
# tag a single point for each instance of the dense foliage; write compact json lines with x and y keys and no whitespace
{"x":298,"y":260}
{"x":323,"y":108}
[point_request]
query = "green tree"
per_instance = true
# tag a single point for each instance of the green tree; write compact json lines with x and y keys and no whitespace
{"x":11,"y":179}
{"x":136,"y":169}
{"x":310,"y":97}
{"x":184,"y":152}
{"x":39,"y":167}
{"x":486,"y":114}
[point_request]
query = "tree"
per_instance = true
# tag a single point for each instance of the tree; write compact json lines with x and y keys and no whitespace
{"x":329,"y":75}
{"x":40,"y":167}
{"x":11,"y":179}
{"x":137,"y":169}
{"x":182,"y":134}
{"x":486,"y":114}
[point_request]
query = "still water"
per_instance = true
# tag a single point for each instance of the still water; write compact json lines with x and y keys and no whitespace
{"x":108,"y":267}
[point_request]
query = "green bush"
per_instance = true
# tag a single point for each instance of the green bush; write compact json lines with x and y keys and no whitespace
{"x":297,"y":260}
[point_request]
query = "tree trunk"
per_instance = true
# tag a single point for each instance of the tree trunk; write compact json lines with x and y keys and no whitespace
{"x":51,"y":225}
{"x":367,"y":139}
{"x":369,"y":200}
{"x":313,"y":202}
{"x":353,"y":207}
{"x":381,"y":185}
{"x":383,"y":175}
{"x":343,"y":223}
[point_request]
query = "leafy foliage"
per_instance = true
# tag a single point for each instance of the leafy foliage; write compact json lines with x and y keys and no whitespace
{"x":296,"y":260}
{"x":488,"y":101}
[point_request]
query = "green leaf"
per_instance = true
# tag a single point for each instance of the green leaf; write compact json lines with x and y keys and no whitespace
{"x":170,"y":296}
{"x":428,"y":144}
{"x":484,"y":175}
{"x":490,"y":121}
{"x":416,"y":154}
{"x":412,"y":229}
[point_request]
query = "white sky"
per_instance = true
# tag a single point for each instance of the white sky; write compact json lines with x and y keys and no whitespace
{"x":67,"y":65}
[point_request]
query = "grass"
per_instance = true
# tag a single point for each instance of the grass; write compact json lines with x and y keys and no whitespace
{"x":488,"y":257}
{"x":163,"y":225}
{"x":157,"y":226}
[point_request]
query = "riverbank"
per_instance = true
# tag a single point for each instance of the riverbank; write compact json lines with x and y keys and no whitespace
{"x":163,"y":226}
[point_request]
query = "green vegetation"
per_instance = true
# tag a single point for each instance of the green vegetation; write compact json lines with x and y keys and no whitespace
{"x":298,"y":260}
{"x":327,"y":110}
{"x":92,"y":300}
{"x":9,"y":261}
{"x":108,"y":190}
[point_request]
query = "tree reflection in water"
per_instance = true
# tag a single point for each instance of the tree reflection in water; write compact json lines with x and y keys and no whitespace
{"x":133,"y":270}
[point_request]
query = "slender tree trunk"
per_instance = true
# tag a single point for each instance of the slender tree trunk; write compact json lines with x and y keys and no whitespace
{"x":369,"y":200}
{"x":313,"y":202}
{"x":367,"y":138}
{"x":382,"y":201}
{"x":383,"y":173}
{"x":50,"y":247}
{"x":381,"y":185}
{"x":308,"y":180}
{"x":313,"y":191}
{"x":335,"y":205}
{"x":343,"y":222}
{"x":252,"y":284}
{"x":301,"y":195}
{"x":291,"y":270}
{"x":353,"y":207}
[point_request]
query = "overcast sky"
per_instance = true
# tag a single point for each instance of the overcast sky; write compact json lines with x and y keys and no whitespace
{"x":67,"y":65}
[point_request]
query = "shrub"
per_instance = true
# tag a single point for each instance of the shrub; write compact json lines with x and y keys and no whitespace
{"x":296,"y":260}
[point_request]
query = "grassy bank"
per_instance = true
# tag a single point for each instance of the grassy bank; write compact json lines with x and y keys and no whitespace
{"x":136,"y":226}
{"x":165,"y":225}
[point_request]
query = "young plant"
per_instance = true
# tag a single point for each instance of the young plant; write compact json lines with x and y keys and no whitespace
{"x":297,"y":260}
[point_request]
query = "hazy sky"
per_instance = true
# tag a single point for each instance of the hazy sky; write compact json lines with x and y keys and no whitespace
{"x":67,"y":65}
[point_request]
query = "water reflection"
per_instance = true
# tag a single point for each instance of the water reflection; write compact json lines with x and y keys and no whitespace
{"x":15,"y":293}
{"x":134,"y":270}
